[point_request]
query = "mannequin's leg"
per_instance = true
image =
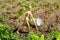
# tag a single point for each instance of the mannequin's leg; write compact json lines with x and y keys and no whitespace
{"x":27,"y":22}
{"x":34,"y":22}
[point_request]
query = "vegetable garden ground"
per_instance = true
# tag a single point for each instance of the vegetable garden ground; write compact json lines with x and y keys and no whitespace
{"x":12,"y":27}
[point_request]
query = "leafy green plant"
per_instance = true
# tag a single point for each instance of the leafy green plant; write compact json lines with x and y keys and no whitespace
{"x":55,"y":7}
{"x":3,"y":17}
{"x":33,"y":36}
{"x":17,"y":13}
{"x":34,"y":4}
{"x":42,"y":37}
{"x":46,"y":4}
{"x":57,"y":4}
{"x":58,"y":38}
{"x":54,"y":35}
{"x":6,"y":33}
{"x":25,"y":8}
{"x":3,"y":5}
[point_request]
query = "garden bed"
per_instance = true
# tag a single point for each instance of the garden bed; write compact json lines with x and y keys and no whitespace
{"x":48,"y":11}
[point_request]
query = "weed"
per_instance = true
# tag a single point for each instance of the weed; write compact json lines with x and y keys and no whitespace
{"x":17,"y":13}
{"x":33,"y":4}
{"x":42,"y":37}
{"x":24,"y":9}
{"x":3,"y":5}
{"x":3,"y":17}
{"x":54,"y":35}
{"x":33,"y":36}
{"x":55,"y":7}
{"x":6,"y":33}
{"x":46,"y":4}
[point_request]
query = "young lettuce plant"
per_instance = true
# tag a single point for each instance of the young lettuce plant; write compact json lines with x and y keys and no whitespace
{"x":6,"y":33}
{"x":54,"y":36}
{"x":33,"y":36}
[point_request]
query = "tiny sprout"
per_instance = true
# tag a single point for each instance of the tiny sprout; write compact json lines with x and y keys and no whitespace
{"x":46,"y":4}
{"x":53,"y":8}
{"x":33,"y":4}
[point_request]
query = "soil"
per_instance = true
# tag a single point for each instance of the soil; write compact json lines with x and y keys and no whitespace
{"x":50,"y":19}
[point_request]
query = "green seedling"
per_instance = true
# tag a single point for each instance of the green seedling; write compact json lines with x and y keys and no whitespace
{"x":6,"y":33}
{"x":23,"y":1}
{"x":33,"y":36}
{"x":3,"y":5}
{"x":3,"y":17}
{"x":46,"y":4}
{"x":17,"y":13}
{"x":58,"y":38}
{"x":24,"y":9}
{"x":54,"y":35}
{"x":42,"y":37}
{"x":55,"y":7}
{"x":33,"y":4}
